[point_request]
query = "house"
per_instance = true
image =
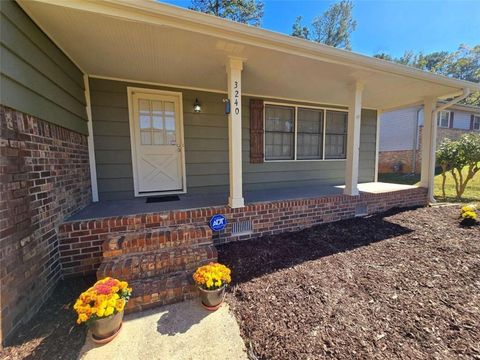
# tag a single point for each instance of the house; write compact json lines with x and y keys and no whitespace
{"x":400,"y":134}
{"x":127,"y":125}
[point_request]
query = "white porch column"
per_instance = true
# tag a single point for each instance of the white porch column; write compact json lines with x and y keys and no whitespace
{"x":429,"y":144}
{"x":234,"y":83}
{"x":91,"y":146}
{"x":377,"y":144}
{"x":353,"y":139}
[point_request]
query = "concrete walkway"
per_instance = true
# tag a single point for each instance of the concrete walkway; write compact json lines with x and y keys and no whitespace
{"x":179,"y":332}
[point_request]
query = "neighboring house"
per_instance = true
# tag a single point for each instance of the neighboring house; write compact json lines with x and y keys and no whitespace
{"x":107,"y":105}
{"x":400,"y":134}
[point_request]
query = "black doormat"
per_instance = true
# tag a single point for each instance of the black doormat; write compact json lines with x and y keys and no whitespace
{"x":155,"y":199}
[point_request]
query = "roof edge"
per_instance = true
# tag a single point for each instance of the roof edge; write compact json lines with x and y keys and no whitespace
{"x":143,"y":10}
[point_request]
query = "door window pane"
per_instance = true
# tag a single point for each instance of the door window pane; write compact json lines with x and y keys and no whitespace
{"x":309,"y":134}
{"x":146,"y":137}
{"x":279,"y":132}
{"x":336,"y":135}
{"x":157,"y":122}
{"x":158,"y":138}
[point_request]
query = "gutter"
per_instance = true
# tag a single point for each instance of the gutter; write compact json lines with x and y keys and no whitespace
{"x":433,"y":139}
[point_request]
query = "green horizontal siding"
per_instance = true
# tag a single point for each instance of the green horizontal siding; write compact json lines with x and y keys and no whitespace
{"x":36,"y":77}
{"x":206,"y":147}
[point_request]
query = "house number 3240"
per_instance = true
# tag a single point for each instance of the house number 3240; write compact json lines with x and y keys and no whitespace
{"x":236,"y":96}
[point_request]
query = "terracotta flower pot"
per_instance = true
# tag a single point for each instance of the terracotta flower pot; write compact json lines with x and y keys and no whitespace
{"x":105,"y":330}
{"x":212,"y":299}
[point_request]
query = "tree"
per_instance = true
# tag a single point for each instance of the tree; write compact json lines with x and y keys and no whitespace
{"x":335,"y":25}
{"x":243,"y":11}
{"x":463,"y":63}
{"x":298,"y":30}
{"x":383,"y":56}
{"x":457,"y":155}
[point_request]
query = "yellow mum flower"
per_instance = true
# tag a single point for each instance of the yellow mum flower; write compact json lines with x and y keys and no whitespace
{"x":109,"y":311}
{"x":120,"y":305}
{"x":100,"y":312}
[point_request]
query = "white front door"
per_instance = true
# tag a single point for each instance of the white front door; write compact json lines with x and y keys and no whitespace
{"x":158,"y":141}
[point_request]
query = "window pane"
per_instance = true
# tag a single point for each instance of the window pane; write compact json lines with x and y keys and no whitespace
{"x":146,"y":137}
{"x":145,"y":118}
{"x":476,"y":123}
{"x":336,"y":135}
{"x":157,"y":114}
{"x":158,"y":138}
{"x":309,"y":134}
{"x":443,"y":119}
{"x":279,"y":132}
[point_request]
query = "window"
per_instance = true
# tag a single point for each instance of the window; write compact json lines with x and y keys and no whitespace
{"x":443,"y":119}
{"x":476,"y":123}
{"x":157,"y":122}
{"x":303,"y":133}
{"x":309,"y":134}
{"x":336,"y":135}
{"x":279,"y":132}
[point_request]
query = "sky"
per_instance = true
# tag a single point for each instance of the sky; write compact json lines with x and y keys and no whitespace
{"x":389,"y":26}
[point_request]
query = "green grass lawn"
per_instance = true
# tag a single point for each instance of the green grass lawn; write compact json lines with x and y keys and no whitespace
{"x":471,"y":194}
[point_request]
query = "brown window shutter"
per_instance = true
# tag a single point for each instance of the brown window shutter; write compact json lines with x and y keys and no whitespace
{"x":451,"y":120}
{"x":256,"y":131}
{"x":472,"y":118}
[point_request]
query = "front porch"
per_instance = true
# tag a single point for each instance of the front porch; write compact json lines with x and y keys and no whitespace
{"x":189,"y":201}
{"x":159,"y":250}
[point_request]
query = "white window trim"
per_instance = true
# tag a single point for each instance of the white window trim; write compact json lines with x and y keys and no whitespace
{"x":296,"y":107}
{"x":473,"y":125}
{"x":439,"y":123}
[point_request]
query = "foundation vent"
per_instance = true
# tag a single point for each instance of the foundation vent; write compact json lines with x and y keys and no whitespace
{"x":242,"y":227}
{"x":361,"y":210}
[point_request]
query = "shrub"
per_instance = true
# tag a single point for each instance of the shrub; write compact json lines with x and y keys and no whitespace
{"x":455,"y":155}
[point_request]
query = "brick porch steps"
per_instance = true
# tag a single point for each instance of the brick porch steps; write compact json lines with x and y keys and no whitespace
{"x":154,"y":263}
{"x":161,"y":290}
{"x":157,"y":262}
{"x":155,"y":239}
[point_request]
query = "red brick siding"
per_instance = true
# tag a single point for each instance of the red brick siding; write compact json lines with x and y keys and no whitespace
{"x":44,"y":178}
{"x":387,"y":159}
{"x":81,"y":241}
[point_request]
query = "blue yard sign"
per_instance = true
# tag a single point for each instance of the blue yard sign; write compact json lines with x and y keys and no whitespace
{"x":218,"y":222}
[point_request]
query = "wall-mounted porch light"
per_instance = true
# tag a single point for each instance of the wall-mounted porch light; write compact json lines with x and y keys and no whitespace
{"x":196,"y":106}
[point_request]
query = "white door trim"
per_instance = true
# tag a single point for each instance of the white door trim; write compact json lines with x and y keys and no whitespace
{"x":131,"y":119}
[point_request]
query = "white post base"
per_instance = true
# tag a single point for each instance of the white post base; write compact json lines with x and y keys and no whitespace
{"x":236,"y":202}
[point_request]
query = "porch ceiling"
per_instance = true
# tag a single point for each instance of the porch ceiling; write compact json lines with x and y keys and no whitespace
{"x":162,"y":44}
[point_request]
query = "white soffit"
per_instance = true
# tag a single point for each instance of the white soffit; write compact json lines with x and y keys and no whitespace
{"x":127,"y":48}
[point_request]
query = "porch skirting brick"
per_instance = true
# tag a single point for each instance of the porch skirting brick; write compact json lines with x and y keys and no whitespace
{"x":80,"y":242}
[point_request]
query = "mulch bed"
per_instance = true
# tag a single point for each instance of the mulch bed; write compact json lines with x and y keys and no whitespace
{"x":399,"y":285}
{"x":52,"y":333}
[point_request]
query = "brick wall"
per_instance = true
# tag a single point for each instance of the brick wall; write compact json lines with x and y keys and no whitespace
{"x":387,"y":160}
{"x":81,"y":241}
{"x":44,"y":178}
{"x":453,"y":134}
